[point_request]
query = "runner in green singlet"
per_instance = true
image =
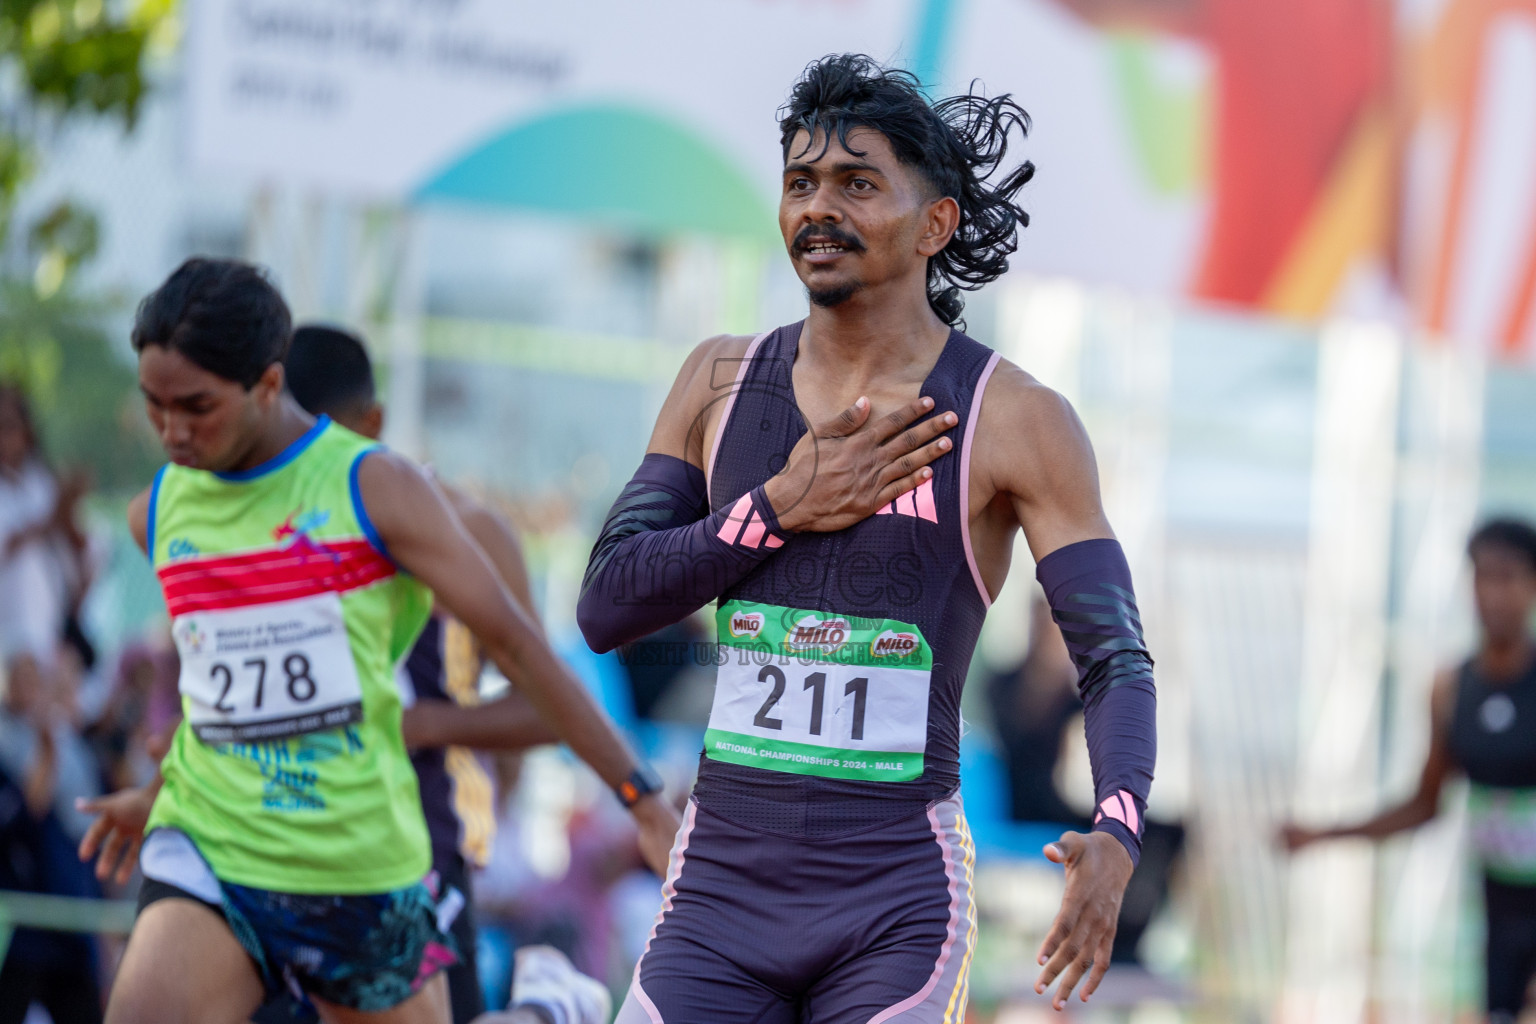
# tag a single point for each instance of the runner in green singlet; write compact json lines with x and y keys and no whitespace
{"x":285,"y":844}
{"x":330,"y":373}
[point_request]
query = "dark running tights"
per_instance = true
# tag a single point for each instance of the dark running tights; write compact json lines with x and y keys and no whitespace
{"x":1511,"y":951}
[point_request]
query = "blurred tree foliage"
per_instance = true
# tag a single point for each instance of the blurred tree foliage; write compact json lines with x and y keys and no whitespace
{"x":85,"y":395}
{"x":61,"y":61}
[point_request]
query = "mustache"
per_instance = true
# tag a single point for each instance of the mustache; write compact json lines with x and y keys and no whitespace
{"x":826,"y":233}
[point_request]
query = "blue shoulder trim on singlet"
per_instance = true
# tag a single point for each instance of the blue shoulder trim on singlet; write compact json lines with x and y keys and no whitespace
{"x":154,"y":504}
{"x":359,"y":510}
{"x":282,"y":458}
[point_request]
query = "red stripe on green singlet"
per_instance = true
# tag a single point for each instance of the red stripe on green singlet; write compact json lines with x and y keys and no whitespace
{"x":298,"y":570}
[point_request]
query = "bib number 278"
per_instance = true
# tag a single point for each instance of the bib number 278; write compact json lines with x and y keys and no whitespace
{"x":299,"y":685}
{"x":268,"y":671}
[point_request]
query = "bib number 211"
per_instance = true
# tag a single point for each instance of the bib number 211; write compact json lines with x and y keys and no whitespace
{"x":857,"y":688}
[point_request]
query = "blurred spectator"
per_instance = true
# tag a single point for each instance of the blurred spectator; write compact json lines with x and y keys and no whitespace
{"x":500,"y":884}
{"x":39,"y":743}
{"x":603,"y":851}
{"x":43,"y":571}
{"x":566,"y":903}
{"x":143,"y":702}
{"x":44,"y":768}
{"x":1031,"y":708}
{"x":666,"y":679}
{"x":1482,"y":718}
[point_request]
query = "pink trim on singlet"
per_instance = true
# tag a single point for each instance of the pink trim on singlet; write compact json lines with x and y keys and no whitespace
{"x":725,"y":413}
{"x":668,"y":890}
{"x":916,"y":999}
{"x":965,"y":478}
{"x":645,"y":1000}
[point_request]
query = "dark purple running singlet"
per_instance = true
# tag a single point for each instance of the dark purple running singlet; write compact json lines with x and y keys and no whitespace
{"x":823,"y":871}
{"x":895,"y":600}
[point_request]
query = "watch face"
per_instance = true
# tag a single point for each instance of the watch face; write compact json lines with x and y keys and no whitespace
{"x":648,"y":779}
{"x":642,"y":781}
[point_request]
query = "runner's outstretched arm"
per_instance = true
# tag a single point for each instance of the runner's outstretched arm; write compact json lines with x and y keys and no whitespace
{"x":662,"y":555}
{"x":419,"y":529}
{"x":1419,"y":808}
{"x":506,"y":724}
{"x":509,"y":722}
{"x":1039,"y":456}
{"x":119,"y":831}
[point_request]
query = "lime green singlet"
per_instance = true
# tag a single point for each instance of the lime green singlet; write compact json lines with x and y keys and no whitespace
{"x":289,"y":771}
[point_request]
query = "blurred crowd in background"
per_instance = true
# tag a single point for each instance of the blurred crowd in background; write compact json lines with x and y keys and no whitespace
{"x":1293,"y":470}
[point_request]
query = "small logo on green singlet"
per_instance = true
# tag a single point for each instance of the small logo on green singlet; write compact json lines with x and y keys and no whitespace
{"x":189,"y":639}
{"x":180,"y":547}
{"x":300,"y":523}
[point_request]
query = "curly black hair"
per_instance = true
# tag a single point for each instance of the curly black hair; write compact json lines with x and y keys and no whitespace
{"x":956,"y":144}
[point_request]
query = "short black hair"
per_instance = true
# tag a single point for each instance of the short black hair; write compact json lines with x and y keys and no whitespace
{"x":329,"y":370}
{"x":955,"y":144}
{"x":1509,"y":533}
{"x":225,"y":316}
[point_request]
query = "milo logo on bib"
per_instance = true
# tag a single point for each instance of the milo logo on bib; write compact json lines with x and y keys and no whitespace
{"x":745,"y":626}
{"x":890,"y":642}
{"x":815,"y":634}
{"x":814,"y":692}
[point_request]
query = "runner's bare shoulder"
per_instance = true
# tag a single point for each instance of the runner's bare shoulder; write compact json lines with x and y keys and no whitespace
{"x":138,"y":518}
{"x":693,"y":404}
{"x":1030,"y":437}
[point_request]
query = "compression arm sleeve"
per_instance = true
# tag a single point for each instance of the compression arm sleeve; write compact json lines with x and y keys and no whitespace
{"x":662,"y":555}
{"x":1088,"y":585}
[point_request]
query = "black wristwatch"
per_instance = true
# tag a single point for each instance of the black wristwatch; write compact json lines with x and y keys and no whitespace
{"x":643,"y":781}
